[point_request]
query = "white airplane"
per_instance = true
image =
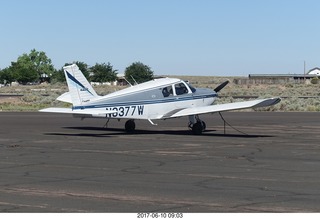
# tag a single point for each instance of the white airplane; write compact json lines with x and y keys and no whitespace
{"x":158,"y":99}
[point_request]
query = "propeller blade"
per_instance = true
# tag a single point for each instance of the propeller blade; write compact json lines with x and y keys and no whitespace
{"x":221,"y":86}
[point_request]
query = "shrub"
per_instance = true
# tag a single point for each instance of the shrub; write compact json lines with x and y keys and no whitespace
{"x":315,"y":80}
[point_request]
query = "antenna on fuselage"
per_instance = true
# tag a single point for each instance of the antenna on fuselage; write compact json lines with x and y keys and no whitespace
{"x":128,"y":82}
{"x":135,"y":82}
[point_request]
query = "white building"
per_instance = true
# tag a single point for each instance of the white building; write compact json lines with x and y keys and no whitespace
{"x":314,"y":71}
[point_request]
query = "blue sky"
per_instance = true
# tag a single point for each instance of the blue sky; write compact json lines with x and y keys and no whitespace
{"x":200,"y":37}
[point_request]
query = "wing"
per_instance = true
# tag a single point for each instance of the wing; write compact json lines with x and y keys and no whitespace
{"x":222,"y":107}
{"x":92,"y":112}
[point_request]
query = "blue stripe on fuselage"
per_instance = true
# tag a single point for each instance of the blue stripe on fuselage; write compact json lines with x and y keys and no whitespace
{"x":146,"y":102}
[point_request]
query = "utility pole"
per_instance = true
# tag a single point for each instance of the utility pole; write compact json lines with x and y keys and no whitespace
{"x":304,"y":71}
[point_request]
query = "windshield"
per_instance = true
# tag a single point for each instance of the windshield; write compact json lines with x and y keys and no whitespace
{"x":191,"y":87}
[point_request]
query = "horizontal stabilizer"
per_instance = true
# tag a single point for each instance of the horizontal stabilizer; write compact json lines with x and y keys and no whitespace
{"x":66,"y":97}
{"x":224,"y":107}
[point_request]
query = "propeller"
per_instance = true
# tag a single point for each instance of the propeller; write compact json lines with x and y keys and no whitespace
{"x":221,"y":86}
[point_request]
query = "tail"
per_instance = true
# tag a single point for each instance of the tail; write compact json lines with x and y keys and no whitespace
{"x":80,"y":89}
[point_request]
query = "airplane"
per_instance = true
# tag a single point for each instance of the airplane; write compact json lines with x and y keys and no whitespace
{"x":158,"y":99}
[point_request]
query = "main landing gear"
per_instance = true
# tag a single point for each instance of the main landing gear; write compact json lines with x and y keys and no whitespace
{"x":196,"y":125}
{"x":130,"y":126}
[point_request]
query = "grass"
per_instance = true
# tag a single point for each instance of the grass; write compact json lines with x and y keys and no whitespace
{"x":36,"y":97}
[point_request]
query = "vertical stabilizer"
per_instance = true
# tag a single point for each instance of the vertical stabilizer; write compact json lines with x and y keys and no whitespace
{"x":80,"y":89}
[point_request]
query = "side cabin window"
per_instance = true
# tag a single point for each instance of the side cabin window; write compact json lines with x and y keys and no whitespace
{"x":181,"y":89}
{"x":167,"y":91}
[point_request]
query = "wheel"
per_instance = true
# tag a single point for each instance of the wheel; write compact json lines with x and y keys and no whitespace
{"x":130,"y":126}
{"x":197,"y":128}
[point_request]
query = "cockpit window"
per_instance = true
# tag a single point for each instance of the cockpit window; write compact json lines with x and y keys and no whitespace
{"x":181,"y":89}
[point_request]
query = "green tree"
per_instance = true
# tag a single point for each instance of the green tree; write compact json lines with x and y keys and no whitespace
{"x":6,"y":76}
{"x":29,"y":68}
{"x":23,"y":72}
{"x":103,"y":73}
{"x":58,"y":76}
{"x":41,"y":63}
{"x":139,"y":71}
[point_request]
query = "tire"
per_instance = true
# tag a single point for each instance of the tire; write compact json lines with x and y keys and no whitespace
{"x":130,"y":126}
{"x":197,"y":128}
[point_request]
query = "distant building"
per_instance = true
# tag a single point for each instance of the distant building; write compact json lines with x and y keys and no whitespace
{"x":314,"y":71}
{"x":278,"y":78}
{"x":282,"y":76}
{"x":44,"y":78}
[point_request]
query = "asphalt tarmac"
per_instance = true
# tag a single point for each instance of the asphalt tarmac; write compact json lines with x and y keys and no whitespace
{"x":57,"y":163}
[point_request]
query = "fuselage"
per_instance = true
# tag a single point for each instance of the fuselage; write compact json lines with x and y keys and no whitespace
{"x":151,"y":100}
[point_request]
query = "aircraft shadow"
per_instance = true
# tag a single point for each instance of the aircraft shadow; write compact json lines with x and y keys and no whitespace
{"x":109,"y":132}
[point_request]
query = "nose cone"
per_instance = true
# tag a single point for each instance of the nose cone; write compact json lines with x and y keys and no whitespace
{"x":206,"y":93}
